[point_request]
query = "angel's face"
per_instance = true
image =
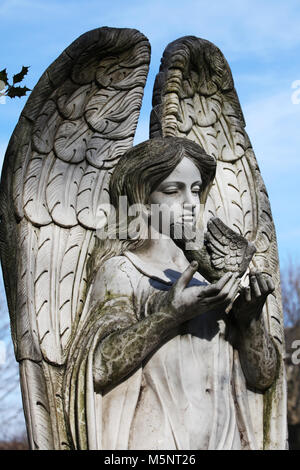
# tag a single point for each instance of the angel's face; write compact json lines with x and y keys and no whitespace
{"x":178,"y":196}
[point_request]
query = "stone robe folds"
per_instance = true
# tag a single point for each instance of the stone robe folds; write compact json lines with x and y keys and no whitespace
{"x":189,"y":394}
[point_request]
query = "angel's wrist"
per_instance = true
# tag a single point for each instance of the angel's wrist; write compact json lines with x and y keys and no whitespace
{"x":250,"y":324}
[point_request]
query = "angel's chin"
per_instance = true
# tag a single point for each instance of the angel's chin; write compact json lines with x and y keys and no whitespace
{"x":183,"y":230}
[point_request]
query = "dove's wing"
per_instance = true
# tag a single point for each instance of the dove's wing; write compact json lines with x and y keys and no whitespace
{"x":229,"y":250}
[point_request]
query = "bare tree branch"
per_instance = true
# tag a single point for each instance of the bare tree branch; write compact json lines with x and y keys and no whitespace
{"x":290,"y":285}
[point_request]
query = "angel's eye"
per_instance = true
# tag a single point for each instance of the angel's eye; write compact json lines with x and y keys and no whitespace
{"x":170,"y":191}
{"x":196,"y":193}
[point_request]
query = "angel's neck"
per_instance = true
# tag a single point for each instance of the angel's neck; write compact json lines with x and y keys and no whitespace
{"x":161,"y":250}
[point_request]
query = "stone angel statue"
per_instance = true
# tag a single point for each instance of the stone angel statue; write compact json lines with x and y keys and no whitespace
{"x":137,"y":342}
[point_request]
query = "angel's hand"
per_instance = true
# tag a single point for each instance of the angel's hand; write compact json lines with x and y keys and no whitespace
{"x":187,"y":302}
{"x":250,"y":302}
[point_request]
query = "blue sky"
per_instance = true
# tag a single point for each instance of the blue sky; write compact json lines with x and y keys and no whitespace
{"x":259,"y":38}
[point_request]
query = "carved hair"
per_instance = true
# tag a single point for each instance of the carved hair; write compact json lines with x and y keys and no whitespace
{"x":137,"y":174}
{"x":145,"y":166}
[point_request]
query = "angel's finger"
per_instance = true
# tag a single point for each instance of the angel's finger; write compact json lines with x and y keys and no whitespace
{"x":271,"y":284}
{"x":225,"y":291}
{"x":186,"y":276}
{"x":247,"y":294}
{"x":232,"y":295}
{"x":235,"y":289}
{"x":210,"y":290}
{"x":227,"y":295}
{"x":262,"y":283}
{"x":228,"y":277}
{"x":255,"y":290}
{"x":214,"y":289}
{"x":230,"y":284}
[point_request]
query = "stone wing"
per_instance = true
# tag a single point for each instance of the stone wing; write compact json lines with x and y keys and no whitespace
{"x":194,"y":97}
{"x":78,"y":120}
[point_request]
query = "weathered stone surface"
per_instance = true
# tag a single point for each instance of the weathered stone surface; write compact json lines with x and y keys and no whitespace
{"x":45,"y":244}
{"x":122,"y":343}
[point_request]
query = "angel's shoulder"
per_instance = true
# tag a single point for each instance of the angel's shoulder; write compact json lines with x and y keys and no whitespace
{"x":118,"y":266}
{"x":118,"y":275}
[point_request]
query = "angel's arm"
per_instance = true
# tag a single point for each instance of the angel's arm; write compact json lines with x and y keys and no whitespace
{"x":257,"y":351}
{"x":131,"y":339}
{"x":123,"y":351}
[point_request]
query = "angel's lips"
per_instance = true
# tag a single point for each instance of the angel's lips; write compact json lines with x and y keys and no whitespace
{"x":183,"y":231}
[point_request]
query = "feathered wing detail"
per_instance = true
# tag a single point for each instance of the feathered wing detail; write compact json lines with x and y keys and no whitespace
{"x":78,"y":120}
{"x":194,"y":97}
{"x":222,"y":250}
{"x":229,"y":250}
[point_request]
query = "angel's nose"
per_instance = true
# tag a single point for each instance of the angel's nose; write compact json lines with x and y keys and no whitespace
{"x":188,"y":198}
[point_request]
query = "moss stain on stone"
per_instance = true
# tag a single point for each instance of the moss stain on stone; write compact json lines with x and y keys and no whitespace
{"x":268,"y":403}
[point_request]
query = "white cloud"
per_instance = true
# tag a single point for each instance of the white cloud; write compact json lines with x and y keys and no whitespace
{"x":273,"y":127}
